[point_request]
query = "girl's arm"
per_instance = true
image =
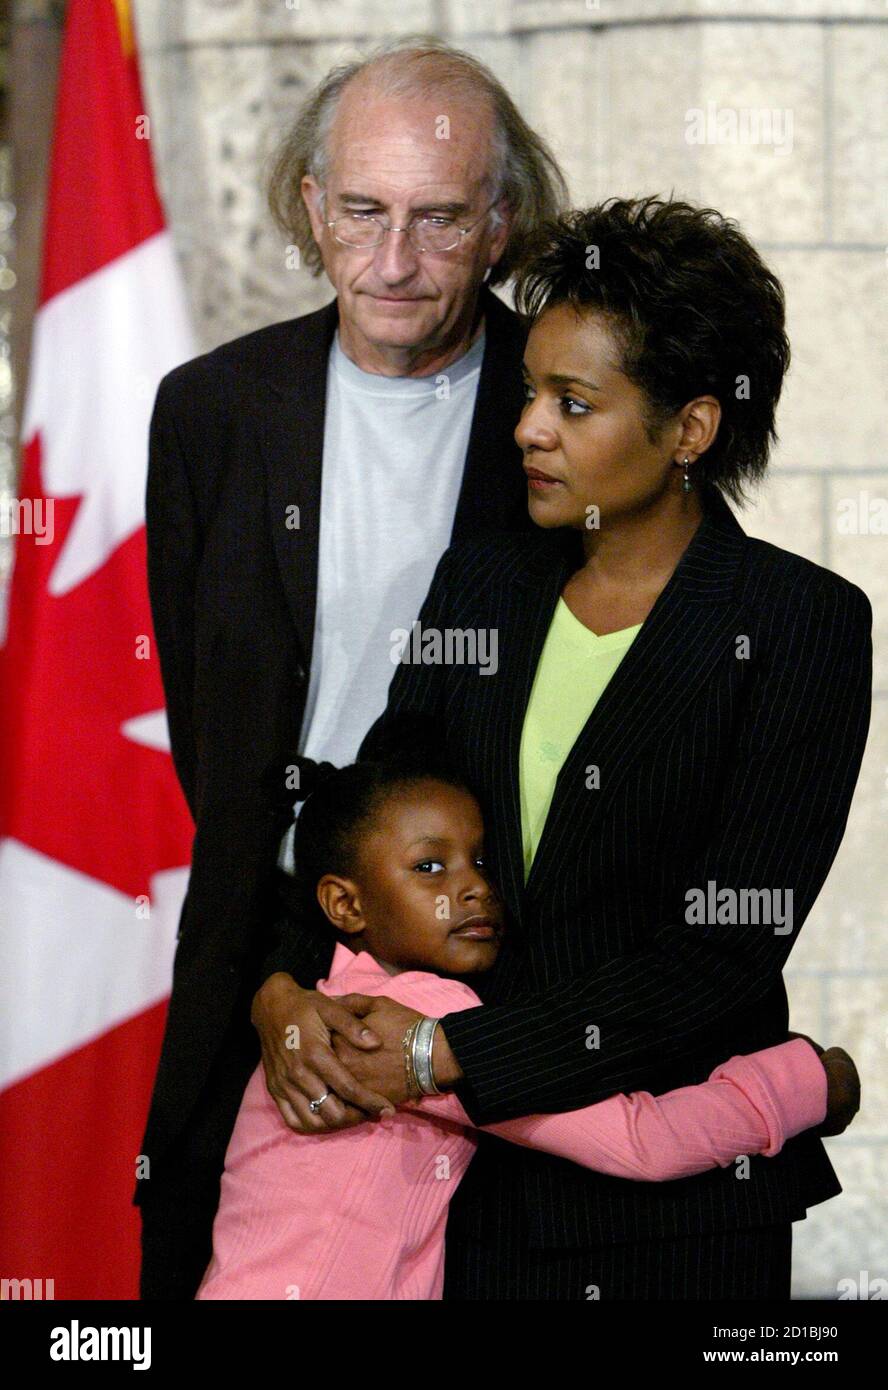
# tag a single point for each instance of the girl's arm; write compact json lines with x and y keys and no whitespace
{"x":750,"y":1105}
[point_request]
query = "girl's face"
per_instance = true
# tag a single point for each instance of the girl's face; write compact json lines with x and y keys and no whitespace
{"x":421,"y":898}
{"x":583,"y":427}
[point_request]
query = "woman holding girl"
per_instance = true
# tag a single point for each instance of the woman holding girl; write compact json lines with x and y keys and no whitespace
{"x":664,"y":760}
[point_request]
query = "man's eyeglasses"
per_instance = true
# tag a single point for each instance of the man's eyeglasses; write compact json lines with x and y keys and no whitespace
{"x":365,"y":230}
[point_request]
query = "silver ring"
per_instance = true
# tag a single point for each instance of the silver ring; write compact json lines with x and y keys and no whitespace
{"x":315,"y":1105}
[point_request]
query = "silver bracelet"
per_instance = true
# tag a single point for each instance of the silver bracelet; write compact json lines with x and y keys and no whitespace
{"x":421,"y":1050}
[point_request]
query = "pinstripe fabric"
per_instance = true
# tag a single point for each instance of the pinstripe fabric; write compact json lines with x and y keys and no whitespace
{"x":753,"y":1264}
{"x":716,"y":765}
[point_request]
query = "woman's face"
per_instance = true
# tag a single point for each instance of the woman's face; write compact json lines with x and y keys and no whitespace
{"x":420,"y":898}
{"x":583,"y":427}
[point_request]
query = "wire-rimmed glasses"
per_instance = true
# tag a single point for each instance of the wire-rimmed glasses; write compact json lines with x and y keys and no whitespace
{"x":363,"y":231}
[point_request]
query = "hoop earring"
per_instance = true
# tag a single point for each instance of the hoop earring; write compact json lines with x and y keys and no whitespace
{"x":686,"y":484}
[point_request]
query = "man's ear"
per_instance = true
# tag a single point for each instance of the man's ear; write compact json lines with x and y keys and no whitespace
{"x":313,"y":198}
{"x":499,"y":238}
{"x":339,"y":900}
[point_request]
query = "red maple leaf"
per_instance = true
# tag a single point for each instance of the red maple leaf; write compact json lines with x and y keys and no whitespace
{"x":74,"y":669}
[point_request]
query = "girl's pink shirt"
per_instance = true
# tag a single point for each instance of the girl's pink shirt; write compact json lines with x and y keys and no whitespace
{"x":361,"y":1213}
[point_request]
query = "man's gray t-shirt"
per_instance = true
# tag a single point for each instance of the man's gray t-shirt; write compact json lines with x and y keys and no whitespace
{"x":393,"y":462}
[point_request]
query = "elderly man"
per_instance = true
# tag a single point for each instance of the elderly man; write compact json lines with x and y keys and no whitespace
{"x":304,"y":480}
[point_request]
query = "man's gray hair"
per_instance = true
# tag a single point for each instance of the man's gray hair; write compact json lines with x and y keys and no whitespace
{"x":522,"y":170}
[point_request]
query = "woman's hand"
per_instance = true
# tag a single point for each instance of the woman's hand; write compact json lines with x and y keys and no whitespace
{"x":842,"y":1087}
{"x":295,"y":1028}
{"x":383,"y":1068}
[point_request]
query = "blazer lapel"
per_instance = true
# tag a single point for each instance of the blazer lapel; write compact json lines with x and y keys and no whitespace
{"x":291,"y":441}
{"x":522,"y":622}
{"x":683,"y":637}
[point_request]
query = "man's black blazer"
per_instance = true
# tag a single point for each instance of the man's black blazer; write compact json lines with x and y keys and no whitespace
{"x":236,"y":443}
{"x":724,"y":750}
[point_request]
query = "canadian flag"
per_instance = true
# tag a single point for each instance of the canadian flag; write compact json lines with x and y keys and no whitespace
{"x":95,"y":835}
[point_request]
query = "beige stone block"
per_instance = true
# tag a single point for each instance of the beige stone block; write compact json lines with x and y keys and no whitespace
{"x":195,"y":22}
{"x":846,"y":927}
{"x":832,"y":411}
{"x":859,"y":165}
{"x":504,"y":55}
{"x":234,"y":22}
{"x":790,"y":9}
{"x":861,"y":554}
{"x":651,"y":78}
{"x":787,"y":511}
{"x":554,"y":80}
{"x":848,"y":1235}
{"x":730,"y":115}
{"x":466,"y":15}
{"x":563,"y":88}
{"x":531,"y":68}
{"x":805,"y":994}
{"x":216,"y":113}
{"x":151,"y":25}
{"x":857,"y":1020}
{"x":762,"y":95}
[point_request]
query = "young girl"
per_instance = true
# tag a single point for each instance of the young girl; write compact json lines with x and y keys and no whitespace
{"x":391,"y":856}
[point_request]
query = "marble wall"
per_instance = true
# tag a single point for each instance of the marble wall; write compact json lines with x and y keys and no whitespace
{"x":611,"y":84}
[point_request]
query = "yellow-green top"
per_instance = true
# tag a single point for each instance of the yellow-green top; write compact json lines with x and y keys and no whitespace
{"x":574,"y":668}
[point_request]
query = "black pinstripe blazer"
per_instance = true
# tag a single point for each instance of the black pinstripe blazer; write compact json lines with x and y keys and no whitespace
{"x":719,"y":761}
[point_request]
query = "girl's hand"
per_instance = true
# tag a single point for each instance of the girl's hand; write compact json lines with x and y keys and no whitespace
{"x":295,"y":1028}
{"x":843,"y":1091}
{"x":842,"y":1087}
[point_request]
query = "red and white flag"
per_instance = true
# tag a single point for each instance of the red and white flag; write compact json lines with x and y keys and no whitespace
{"x":95,"y":835}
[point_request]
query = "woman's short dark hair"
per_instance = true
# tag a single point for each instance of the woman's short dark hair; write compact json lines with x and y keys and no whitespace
{"x":340,"y":806}
{"x":693,"y":307}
